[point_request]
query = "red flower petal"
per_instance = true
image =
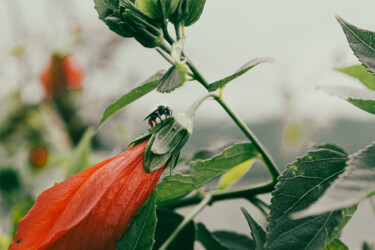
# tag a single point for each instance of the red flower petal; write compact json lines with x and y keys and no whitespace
{"x":90,"y":210}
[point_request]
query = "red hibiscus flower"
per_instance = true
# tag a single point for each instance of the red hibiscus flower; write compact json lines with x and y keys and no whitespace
{"x":61,"y":74}
{"x":90,"y":210}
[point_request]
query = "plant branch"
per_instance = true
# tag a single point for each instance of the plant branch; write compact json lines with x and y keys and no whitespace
{"x":186,"y":220}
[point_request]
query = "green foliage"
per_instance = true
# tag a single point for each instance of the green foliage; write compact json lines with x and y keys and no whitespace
{"x":177,"y":186}
{"x":235,"y":241}
{"x":167,"y":223}
{"x":157,"y":9}
{"x":188,"y":12}
{"x":146,"y":87}
{"x":246,"y":67}
{"x":172,"y":79}
{"x":330,"y":146}
{"x":235,"y":174}
{"x":259,"y":235}
{"x":19,"y":210}
{"x":362,"y":43}
{"x":336,"y":244}
{"x":300,"y":185}
{"x":81,"y":155}
{"x":357,"y":182}
{"x":361,"y":98}
{"x":9,"y":180}
{"x":360,"y":72}
{"x":141,"y":231}
{"x":208,"y":240}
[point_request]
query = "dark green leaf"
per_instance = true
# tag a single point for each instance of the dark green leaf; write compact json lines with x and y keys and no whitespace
{"x":146,"y":87}
{"x":247,"y":66}
{"x":167,"y":223}
{"x":367,"y":246}
{"x":157,"y":9}
{"x":359,"y":72}
{"x":362,"y":43}
{"x":257,"y":231}
{"x":336,"y":244}
{"x":195,"y":11}
{"x":300,"y":185}
{"x":357,"y":181}
{"x":330,"y":147}
{"x":208,"y":240}
{"x":362,"y":98}
{"x":172,"y":79}
{"x":203,"y":171}
{"x":141,"y":231}
{"x":234,"y":241}
{"x":80,"y":159}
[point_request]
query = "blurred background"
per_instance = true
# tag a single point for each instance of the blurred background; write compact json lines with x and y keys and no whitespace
{"x":44,"y":130}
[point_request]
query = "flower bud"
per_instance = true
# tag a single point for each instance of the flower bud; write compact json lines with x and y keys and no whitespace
{"x":188,"y":12}
{"x":157,"y":9}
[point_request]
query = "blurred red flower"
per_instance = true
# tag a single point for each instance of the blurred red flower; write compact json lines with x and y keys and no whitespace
{"x":90,"y":210}
{"x":38,"y":156}
{"x":61,"y":74}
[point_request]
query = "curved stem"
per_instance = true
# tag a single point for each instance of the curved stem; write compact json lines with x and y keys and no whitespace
{"x":186,"y":220}
{"x":261,"y":205}
{"x":191,"y":111}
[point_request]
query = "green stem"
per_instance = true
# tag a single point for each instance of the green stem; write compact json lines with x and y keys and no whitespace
{"x":166,"y":35}
{"x":219,"y":195}
{"x":186,"y":220}
{"x":177,"y":29}
{"x":261,"y":205}
{"x":165,"y":55}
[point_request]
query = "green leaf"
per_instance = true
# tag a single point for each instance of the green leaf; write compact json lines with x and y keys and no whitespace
{"x":141,"y":231}
{"x":330,"y":146}
{"x":167,"y":223}
{"x":208,"y":240}
{"x":259,"y":235}
{"x":362,"y":43}
{"x":195,"y":11}
{"x":361,"y":98}
{"x":235,"y":174}
{"x":177,"y":186}
{"x":234,"y":241}
{"x":172,"y":79}
{"x":367,"y":246}
{"x":360,"y":72}
{"x":81,"y":155}
{"x":157,"y":9}
{"x":246,"y":67}
{"x":105,"y":7}
{"x":336,"y":244}
{"x":357,"y":182}
{"x":300,"y":185}
{"x":146,"y":87}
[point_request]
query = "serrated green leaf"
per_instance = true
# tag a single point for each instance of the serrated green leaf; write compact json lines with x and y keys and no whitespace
{"x":362,"y":42}
{"x":167,"y":223}
{"x":172,"y":79}
{"x":177,"y":186}
{"x":357,"y":181}
{"x":141,"y":231}
{"x":208,"y":240}
{"x":361,"y":98}
{"x":259,"y":235}
{"x":336,"y":244}
{"x":234,"y":240}
{"x":300,"y":185}
{"x":330,"y":146}
{"x":360,"y":72}
{"x":81,"y":156}
{"x":146,"y":87}
{"x":246,"y":67}
{"x":235,"y":174}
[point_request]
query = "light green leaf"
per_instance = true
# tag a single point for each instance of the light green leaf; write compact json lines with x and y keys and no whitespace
{"x":167,"y":223}
{"x":300,"y":185}
{"x":257,"y":231}
{"x":146,"y":87}
{"x":336,"y":244}
{"x":208,"y":240}
{"x":360,"y":72}
{"x":362,"y":43}
{"x":357,"y":182}
{"x":235,"y":174}
{"x":141,"y":231}
{"x":173,"y":78}
{"x":246,"y":67}
{"x":361,"y":98}
{"x":177,"y":186}
{"x":81,"y":156}
{"x":234,"y":241}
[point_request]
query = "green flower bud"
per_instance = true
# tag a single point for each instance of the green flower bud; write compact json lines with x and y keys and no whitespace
{"x":188,"y":12}
{"x":157,"y":9}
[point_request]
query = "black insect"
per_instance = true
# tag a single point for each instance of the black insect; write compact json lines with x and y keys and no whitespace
{"x":157,"y":113}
